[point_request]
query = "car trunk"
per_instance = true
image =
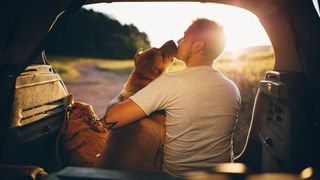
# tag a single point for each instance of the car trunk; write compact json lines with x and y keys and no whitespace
{"x":293,"y":27}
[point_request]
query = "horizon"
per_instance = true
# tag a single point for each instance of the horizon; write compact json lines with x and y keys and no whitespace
{"x":242,"y":28}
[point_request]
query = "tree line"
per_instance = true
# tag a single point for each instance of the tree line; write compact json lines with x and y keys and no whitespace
{"x":96,"y":35}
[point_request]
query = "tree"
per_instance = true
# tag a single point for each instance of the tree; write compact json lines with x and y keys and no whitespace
{"x":92,"y":34}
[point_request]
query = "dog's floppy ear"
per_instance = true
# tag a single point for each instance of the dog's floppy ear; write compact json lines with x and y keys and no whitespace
{"x":137,"y":53}
{"x":135,"y":58}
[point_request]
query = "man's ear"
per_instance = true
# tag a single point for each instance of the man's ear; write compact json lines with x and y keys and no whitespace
{"x":197,"y":47}
{"x":135,"y":57}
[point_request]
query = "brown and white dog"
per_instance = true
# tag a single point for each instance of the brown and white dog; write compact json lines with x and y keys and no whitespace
{"x":138,"y":146}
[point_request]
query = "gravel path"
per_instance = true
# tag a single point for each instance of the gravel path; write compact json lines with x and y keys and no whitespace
{"x":95,"y":87}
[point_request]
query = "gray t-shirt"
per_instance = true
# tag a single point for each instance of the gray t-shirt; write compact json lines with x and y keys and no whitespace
{"x":201,"y":107}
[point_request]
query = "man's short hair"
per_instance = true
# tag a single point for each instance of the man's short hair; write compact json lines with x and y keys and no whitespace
{"x":211,"y":33}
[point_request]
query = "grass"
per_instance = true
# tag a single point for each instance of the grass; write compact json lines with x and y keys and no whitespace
{"x":246,"y":70}
{"x":119,"y":67}
{"x":66,"y":66}
{"x":66,"y":72}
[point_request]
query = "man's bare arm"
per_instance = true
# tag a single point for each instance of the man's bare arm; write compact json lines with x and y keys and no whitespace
{"x":118,"y":98}
{"x":122,"y":113}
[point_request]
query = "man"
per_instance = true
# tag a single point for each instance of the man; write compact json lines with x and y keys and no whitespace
{"x":201,"y":104}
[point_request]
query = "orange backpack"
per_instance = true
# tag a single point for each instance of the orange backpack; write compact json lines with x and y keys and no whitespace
{"x":82,"y":135}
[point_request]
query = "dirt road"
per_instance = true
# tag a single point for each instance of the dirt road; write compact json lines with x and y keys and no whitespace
{"x":95,"y":87}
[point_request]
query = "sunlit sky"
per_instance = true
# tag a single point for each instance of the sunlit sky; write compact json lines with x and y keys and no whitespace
{"x":165,"y":21}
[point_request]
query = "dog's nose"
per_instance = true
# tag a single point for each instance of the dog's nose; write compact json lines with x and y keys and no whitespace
{"x":170,"y":46}
{"x":179,"y":40}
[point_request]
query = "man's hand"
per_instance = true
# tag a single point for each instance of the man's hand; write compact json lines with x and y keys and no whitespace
{"x":122,"y":113}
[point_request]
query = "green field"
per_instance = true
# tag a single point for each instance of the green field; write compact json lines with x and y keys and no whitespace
{"x":245,"y":69}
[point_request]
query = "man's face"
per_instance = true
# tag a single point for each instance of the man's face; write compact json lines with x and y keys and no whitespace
{"x":184,"y":47}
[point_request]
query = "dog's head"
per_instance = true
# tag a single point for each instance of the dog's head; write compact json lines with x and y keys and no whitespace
{"x":154,"y":61}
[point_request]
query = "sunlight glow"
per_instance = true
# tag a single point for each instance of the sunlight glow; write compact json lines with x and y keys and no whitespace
{"x":169,"y":20}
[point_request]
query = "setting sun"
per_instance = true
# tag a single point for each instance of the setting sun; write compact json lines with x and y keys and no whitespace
{"x":163,"y":21}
